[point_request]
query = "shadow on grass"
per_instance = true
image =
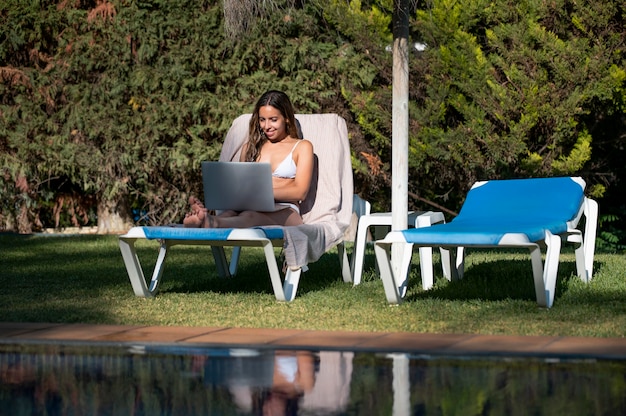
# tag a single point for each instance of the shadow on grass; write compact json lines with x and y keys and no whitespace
{"x":252,"y":275}
{"x":59,"y":278}
{"x":83,"y":278}
{"x":59,"y":264}
{"x":492,"y":281}
{"x":47,"y":277}
{"x":493,"y":275}
{"x":45,"y":312}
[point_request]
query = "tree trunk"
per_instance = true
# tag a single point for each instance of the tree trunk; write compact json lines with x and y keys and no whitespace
{"x":114,"y":217}
{"x":23,"y":223}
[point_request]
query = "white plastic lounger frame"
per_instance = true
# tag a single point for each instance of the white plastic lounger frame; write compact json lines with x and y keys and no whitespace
{"x":522,"y":213}
{"x":383,"y":220}
{"x":352,"y":267}
{"x":360,"y":208}
{"x":265,"y":238}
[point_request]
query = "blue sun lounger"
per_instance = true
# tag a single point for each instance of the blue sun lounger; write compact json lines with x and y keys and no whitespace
{"x":326,"y":212}
{"x":517,"y":213}
{"x":217,"y":238}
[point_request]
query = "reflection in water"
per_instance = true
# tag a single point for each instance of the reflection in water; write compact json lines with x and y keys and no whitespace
{"x":401,"y":385}
{"x":269,"y":383}
{"x":282,"y":382}
{"x":168,"y":381}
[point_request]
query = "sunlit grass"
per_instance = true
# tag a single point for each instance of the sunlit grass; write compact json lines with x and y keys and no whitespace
{"x":82,"y":279}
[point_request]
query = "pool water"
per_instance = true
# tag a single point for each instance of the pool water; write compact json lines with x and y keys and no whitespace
{"x":167,"y":380}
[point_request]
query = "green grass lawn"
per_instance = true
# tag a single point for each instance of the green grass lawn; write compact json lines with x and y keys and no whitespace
{"x":71,"y":279}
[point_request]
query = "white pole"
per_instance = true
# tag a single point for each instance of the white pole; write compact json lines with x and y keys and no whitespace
{"x":400,"y":127}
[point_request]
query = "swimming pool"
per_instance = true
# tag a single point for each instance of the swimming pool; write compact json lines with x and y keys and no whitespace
{"x":168,"y":380}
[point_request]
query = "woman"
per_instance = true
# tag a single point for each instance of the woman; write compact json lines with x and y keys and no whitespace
{"x":272,"y":138}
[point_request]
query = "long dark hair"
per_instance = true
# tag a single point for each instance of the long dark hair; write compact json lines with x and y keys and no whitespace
{"x":256,"y":138}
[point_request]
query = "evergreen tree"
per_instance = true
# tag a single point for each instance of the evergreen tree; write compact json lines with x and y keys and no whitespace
{"x":108,"y":107}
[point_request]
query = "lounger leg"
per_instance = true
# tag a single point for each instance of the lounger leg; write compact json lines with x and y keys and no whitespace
{"x":581,"y":269}
{"x":344,"y":262}
{"x":358,"y":256}
{"x":290,"y":287}
{"x":453,"y":262}
{"x":459,"y":261}
{"x":283,"y":291}
{"x":223,"y":266}
{"x":586,"y":242}
{"x":537,"y":265}
{"x":551,"y":267}
{"x":589,"y":239}
{"x":272,"y":268}
{"x":405,"y":267}
{"x":158,"y":268}
{"x":426,"y":253}
{"x":545,"y":275}
{"x":383,"y":259}
{"x":234,"y":260}
{"x":426,"y":267}
{"x":135,"y":271}
{"x":221,"y":262}
{"x":446,"y":264}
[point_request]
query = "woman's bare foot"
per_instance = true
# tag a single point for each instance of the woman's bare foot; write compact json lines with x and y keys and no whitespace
{"x":195,"y":204}
{"x":199,"y":219}
{"x":193,"y":220}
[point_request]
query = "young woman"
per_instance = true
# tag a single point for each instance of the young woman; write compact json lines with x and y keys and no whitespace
{"x":272,"y":138}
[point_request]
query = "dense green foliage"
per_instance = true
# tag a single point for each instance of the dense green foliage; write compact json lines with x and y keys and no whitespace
{"x":517,"y":89}
{"x":108,"y":107}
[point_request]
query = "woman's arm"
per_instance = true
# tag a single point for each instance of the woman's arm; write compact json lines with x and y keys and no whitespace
{"x":295,"y":190}
{"x":242,"y":155}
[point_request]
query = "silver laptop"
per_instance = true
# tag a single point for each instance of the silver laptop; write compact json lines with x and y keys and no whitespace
{"x":239,"y":186}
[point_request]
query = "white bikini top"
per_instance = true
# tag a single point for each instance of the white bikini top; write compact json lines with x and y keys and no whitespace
{"x":287,"y":168}
{"x":288,"y":367}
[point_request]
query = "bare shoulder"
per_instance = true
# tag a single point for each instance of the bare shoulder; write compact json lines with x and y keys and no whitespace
{"x":305,"y":145}
{"x":303,"y":151}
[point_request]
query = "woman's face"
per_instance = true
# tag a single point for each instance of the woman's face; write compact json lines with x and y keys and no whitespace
{"x":272,"y":123}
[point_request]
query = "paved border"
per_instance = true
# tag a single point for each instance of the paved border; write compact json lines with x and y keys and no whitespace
{"x":415,"y":343}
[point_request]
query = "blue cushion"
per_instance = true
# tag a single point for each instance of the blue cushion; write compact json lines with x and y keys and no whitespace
{"x":539,"y":198}
{"x":466,"y":233}
{"x":273,"y":232}
{"x":217,"y":234}
{"x":499,"y":207}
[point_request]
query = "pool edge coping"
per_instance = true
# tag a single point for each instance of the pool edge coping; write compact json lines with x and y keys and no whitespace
{"x":428,"y":344}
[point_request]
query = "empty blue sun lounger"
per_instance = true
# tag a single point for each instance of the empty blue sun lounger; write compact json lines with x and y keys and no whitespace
{"x":517,"y":213}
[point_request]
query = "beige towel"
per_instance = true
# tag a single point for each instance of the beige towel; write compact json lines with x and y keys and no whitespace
{"x":327,"y":210}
